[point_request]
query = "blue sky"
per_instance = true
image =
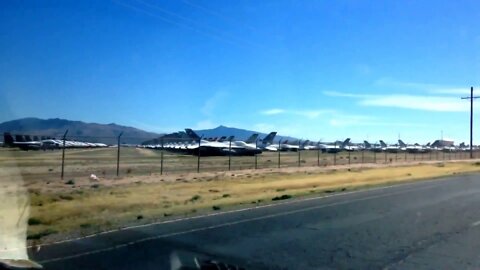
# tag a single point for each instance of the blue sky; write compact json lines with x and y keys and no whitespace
{"x":312,"y":69}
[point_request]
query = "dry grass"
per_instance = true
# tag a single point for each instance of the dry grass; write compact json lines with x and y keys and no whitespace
{"x":78,"y":205}
{"x":84,"y":209}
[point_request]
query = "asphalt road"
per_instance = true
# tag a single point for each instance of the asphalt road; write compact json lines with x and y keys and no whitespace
{"x":425,"y":225}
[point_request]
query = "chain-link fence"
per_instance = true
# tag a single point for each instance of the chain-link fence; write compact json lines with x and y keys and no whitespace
{"x":176,"y":156}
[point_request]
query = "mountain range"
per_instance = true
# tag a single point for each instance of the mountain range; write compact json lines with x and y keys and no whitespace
{"x":107,"y":133}
{"x":77,"y":130}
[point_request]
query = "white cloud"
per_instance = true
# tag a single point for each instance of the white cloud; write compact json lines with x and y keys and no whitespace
{"x":306,"y":113}
{"x":425,"y":103}
{"x":404,"y":101}
{"x":212,"y":102}
{"x":273,"y":111}
{"x":426,"y":87}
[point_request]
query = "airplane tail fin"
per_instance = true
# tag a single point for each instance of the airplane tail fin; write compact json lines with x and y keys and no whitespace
{"x":230,"y":138}
{"x":252,"y":138}
{"x":8,"y":139}
{"x":305,"y":143}
{"x":269,"y":138}
{"x":346,"y":142}
{"x":383,"y":144}
{"x":222,"y":139}
{"x":192,"y":134}
{"x":401,"y":143}
{"x":19,"y":138}
{"x":367,"y":144}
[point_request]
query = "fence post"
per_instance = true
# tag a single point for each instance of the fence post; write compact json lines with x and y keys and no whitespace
{"x":374,"y":157}
{"x":199,"y":154}
{"x":405,"y":156}
{"x":161,"y":157}
{"x":230,"y":154}
{"x":363,"y":156}
{"x":63,"y":152}
{"x":256,"y":147}
{"x":118,"y":152}
{"x":299,"y":156}
{"x":386,"y":157}
{"x":349,"y":157}
{"x":318,"y":156}
{"x":279,"y":147}
{"x":335,"y":154}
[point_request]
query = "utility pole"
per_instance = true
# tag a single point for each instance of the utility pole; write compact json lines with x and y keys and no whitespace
{"x":471,"y":119}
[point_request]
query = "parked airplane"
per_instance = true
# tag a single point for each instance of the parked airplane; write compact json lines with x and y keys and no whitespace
{"x":21,"y":142}
{"x":333,"y":147}
{"x":216,"y":148}
{"x":373,"y":148}
{"x":412,"y":148}
{"x":392,"y":148}
{"x":26,"y":143}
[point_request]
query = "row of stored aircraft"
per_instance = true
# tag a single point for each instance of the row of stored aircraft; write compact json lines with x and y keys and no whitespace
{"x":196,"y":145}
{"x":26,"y":142}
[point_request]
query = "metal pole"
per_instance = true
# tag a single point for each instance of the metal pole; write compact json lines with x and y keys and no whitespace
{"x":199,"y":153}
{"x":471,"y":122}
{"x":363,"y":156}
{"x":256,"y":147}
{"x":374,"y":157}
{"x":118,"y":153}
{"x":299,"y":156}
{"x":335,"y":155}
{"x":349,"y":157}
{"x":279,"y":146}
{"x":405,"y":156}
{"x":161,"y":158}
{"x":386,"y":157}
{"x":230,"y":154}
{"x":318,"y":156}
{"x":63,"y":153}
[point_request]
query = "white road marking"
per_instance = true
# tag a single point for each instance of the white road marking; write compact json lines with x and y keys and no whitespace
{"x":241,"y":210}
{"x":230,"y":224}
{"x":476,"y":223}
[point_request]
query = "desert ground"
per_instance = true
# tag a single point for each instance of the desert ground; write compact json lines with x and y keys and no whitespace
{"x":149,"y":190}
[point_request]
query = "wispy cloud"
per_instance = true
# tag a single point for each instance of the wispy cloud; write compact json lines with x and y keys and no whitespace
{"x":424,"y":87}
{"x":212,"y":102}
{"x":404,"y":101}
{"x":273,"y":111}
{"x":306,"y":113}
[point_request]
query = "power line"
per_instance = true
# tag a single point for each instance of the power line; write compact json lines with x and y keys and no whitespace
{"x":182,"y":25}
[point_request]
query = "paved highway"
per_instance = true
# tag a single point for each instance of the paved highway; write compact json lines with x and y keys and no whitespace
{"x":425,"y":225}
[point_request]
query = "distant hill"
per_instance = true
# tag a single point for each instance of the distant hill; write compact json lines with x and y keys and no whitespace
{"x":240,"y":134}
{"x":78,"y":130}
